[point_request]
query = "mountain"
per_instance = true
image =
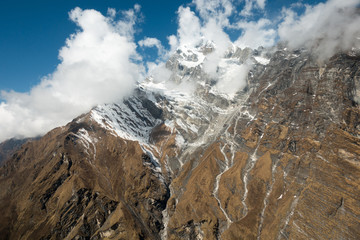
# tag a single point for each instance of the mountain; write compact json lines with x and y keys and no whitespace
{"x":181,"y":159}
{"x":7,"y":148}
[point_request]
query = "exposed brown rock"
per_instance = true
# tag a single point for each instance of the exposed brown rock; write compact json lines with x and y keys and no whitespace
{"x":104,"y":190}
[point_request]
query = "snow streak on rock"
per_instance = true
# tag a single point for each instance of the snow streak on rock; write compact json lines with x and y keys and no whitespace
{"x":129,"y":120}
{"x":288,"y":217}
{"x":262,"y":60}
{"x":217,"y":181}
{"x":250,"y":165}
{"x":86,"y":140}
{"x":266,"y":199}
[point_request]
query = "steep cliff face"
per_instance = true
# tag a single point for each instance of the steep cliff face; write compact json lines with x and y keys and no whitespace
{"x":277,"y":160}
{"x":288,"y":169}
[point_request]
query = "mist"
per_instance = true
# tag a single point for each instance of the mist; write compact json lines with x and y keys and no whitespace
{"x":324,"y":29}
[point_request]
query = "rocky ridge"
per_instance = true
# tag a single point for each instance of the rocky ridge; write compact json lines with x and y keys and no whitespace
{"x":277,"y":160}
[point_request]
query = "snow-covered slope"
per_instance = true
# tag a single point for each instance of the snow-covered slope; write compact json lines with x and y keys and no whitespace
{"x":188,"y":101}
{"x":130,"y":120}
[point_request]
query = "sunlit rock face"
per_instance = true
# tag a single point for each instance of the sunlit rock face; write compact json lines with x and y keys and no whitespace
{"x":182,"y":159}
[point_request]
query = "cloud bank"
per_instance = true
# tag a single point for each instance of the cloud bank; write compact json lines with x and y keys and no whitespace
{"x":209,"y":23}
{"x":324,"y":29}
{"x":256,"y":33}
{"x":250,"y":5}
{"x":97,"y":66}
{"x":100,"y":64}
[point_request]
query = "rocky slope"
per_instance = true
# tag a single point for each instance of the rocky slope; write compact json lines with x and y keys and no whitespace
{"x":277,"y":160}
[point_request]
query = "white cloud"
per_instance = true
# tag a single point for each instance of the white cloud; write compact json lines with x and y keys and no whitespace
{"x":255,"y":34}
{"x":217,"y":10}
{"x":325,"y":28}
{"x":111,"y":12}
{"x":126,"y":26}
{"x":213,"y":20}
{"x":173,"y":42}
{"x":193,"y":29}
{"x":159,"y":72}
{"x":209,"y":26}
{"x":189,"y":30}
{"x":221,"y":40}
{"x":247,"y":8}
{"x":233,"y":78}
{"x":152,"y":42}
{"x":250,"y":5}
{"x":97,"y":66}
{"x":261,"y":3}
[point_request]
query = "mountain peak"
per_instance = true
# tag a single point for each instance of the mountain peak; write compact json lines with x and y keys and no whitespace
{"x":182,"y":158}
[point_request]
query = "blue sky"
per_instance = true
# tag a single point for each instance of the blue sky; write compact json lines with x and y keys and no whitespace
{"x":32,"y":32}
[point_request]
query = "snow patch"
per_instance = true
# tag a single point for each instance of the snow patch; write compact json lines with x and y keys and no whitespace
{"x":262,"y":60}
{"x":180,"y":141}
{"x":190,"y":58}
{"x":128,"y":120}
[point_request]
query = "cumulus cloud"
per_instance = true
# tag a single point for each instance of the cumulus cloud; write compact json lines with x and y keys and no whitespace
{"x":189,"y":30}
{"x":261,"y":3}
{"x":173,"y":42}
{"x":159,"y":72}
{"x":153,"y":42}
{"x":216,"y":10}
{"x":255,"y":34}
{"x":325,"y":28}
{"x":222,"y":42}
{"x":213,"y":20}
{"x":208,"y":26}
{"x":97,"y":66}
{"x":250,"y":5}
{"x":233,"y":78}
{"x":126,"y":27}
